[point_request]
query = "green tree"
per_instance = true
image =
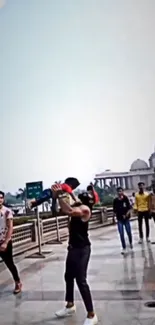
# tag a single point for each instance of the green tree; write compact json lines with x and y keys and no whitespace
{"x":21,"y":194}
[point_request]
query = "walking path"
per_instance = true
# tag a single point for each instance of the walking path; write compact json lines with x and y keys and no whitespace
{"x":120,"y":285}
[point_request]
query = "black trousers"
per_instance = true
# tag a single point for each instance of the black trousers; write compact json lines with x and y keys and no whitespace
{"x":7,"y":257}
{"x":143,"y":215}
{"x":76,"y":268}
{"x":153,"y":215}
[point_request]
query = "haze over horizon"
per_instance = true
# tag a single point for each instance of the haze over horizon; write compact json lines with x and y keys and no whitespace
{"x":76,"y":88}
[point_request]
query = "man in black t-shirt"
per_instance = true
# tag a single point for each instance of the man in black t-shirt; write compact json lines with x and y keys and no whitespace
{"x":79,"y":250}
{"x":122,"y":210}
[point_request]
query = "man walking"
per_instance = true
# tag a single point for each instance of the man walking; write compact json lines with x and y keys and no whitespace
{"x":122,"y":209}
{"x":152,"y":202}
{"x":78,"y":253}
{"x":6,"y":229}
{"x":141,"y":206}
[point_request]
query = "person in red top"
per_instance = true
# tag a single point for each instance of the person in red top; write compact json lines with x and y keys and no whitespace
{"x":68,"y":186}
{"x":91,"y":190}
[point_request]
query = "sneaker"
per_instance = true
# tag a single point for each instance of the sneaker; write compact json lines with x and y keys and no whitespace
{"x":131,"y":247}
{"x":18,"y":288}
{"x":123,"y":251}
{"x":65,"y":312}
{"x":91,"y":321}
{"x":148,"y":240}
{"x":140,"y":241}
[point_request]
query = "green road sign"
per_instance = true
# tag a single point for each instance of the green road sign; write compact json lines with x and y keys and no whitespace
{"x":33,"y":190}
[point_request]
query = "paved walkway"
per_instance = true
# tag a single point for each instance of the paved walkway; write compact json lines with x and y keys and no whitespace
{"x":120,"y":285}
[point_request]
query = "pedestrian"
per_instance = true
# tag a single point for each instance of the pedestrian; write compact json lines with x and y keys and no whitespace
{"x":91,"y":190}
{"x":79,"y":250}
{"x":152,"y":202}
{"x":132,"y":199}
{"x":122,"y":209}
{"x":6,"y":253}
{"x":141,"y":207}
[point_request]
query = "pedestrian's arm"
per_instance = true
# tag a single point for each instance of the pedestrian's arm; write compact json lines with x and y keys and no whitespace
{"x":9,"y":222}
{"x":114,"y":206}
{"x":129,"y":208}
{"x":149,"y":202}
{"x":73,"y":196}
{"x":81,"y":211}
{"x":135,"y":207}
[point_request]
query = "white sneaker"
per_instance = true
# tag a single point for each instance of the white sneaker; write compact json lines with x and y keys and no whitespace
{"x":148,"y":240}
{"x":123,"y":251}
{"x":65,"y":312}
{"x":140,"y":241}
{"x":91,"y":321}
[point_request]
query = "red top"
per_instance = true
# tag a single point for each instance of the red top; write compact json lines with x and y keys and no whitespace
{"x":96,"y":196}
{"x":66,"y":188}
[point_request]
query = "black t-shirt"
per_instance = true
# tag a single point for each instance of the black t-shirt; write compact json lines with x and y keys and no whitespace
{"x":78,"y":233}
{"x":121,"y":206}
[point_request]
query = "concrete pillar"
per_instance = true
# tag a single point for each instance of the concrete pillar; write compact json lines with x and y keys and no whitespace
{"x":126,"y":183}
{"x":113,"y":181}
{"x":117,"y":182}
{"x":129,"y":185}
{"x":121,"y":181}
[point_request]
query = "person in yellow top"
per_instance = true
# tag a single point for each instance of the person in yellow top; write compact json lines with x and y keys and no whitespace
{"x":152,"y":202}
{"x":141,"y":206}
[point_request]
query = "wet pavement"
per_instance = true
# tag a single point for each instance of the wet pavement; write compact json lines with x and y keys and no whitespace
{"x":120,"y":285}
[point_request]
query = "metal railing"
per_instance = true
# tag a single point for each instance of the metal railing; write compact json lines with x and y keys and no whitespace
{"x":25,"y":236}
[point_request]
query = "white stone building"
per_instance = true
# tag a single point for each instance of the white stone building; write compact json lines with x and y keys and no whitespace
{"x":139,"y":171}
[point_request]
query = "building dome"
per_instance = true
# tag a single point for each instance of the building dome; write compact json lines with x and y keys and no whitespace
{"x":139,"y":165}
{"x":152,"y":160}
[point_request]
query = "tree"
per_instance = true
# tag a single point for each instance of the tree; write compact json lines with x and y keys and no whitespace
{"x":11,"y":199}
{"x":21,"y":194}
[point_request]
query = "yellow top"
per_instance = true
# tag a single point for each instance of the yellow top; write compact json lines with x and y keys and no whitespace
{"x":152,"y":202}
{"x":141,"y":202}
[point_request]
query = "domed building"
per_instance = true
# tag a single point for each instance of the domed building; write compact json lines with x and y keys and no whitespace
{"x":139,"y":164}
{"x":140,"y":171}
{"x":152,"y":160}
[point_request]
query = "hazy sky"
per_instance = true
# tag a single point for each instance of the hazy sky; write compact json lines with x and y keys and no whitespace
{"x":77,"y":88}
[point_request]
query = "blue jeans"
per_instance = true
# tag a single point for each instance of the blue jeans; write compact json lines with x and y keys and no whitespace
{"x":121,"y":225}
{"x":45,"y":196}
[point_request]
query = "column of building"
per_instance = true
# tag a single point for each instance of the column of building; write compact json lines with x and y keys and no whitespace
{"x":124,"y":182}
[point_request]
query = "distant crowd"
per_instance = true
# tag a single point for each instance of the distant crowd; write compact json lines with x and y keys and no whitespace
{"x":143,"y":205}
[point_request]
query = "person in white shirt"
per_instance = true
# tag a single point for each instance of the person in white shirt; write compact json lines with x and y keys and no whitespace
{"x":6,"y":229}
{"x":132,"y":199}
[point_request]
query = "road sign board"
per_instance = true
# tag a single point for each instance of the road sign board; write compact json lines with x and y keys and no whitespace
{"x":33,"y":190}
